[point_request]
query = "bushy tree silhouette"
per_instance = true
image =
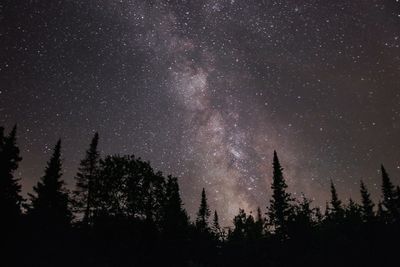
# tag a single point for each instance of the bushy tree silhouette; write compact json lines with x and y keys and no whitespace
{"x":239,"y":230}
{"x":303,"y":219}
{"x":353,"y":213}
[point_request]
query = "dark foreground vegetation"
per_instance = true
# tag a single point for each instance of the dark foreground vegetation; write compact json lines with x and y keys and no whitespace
{"x":123,"y":213}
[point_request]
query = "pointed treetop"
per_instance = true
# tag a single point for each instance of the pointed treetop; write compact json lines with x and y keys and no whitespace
{"x":204,"y":212}
{"x":337,"y":209}
{"x":216,"y":227}
{"x":367,"y":206}
{"x":50,"y":203}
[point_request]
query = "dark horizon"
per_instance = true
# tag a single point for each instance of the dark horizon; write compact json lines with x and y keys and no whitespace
{"x":123,"y":212}
{"x":228,"y":221}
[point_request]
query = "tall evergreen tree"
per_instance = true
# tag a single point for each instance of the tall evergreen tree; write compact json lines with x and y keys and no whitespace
{"x":388,"y":197}
{"x":367,"y":206}
{"x":216,"y":228}
{"x":336,"y":211}
{"x":259,"y":224}
{"x":10,"y":198}
{"x":203,"y":213}
{"x":280,"y":207}
{"x":86,"y":181}
{"x":50,"y":203}
{"x":175,"y":220}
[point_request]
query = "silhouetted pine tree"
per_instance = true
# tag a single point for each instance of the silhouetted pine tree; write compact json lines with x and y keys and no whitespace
{"x":10,"y":198}
{"x":327,"y":211}
{"x":203,"y":214}
{"x":50,"y":202}
{"x":367,"y":206}
{"x":390,"y":211}
{"x":259,"y":224}
{"x":280,"y":207}
{"x":216,"y":229}
{"x":175,"y":221}
{"x":85,"y":181}
{"x":336,"y":211}
{"x":318,"y":217}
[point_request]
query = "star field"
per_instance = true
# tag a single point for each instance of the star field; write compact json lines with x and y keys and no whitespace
{"x":206,"y":90}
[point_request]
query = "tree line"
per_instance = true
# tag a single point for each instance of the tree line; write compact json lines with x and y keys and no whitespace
{"x":122,"y":212}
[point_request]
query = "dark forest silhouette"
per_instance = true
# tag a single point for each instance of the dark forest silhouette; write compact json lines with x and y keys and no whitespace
{"x":124,"y":213}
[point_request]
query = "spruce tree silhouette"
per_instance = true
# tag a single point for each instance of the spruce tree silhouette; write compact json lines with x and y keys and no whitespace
{"x":216,"y":228}
{"x":390,"y":211}
{"x":259,"y":224}
{"x":280,"y":208}
{"x":49,"y":206}
{"x":336,"y":211}
{"x":203,"y":213}
{"x":175,"y":220}
{"x":367,"y":206}
{"x":85,"y":181}
{"x":10,"y":189}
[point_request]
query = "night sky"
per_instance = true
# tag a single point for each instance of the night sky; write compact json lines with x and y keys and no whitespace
{"x":207,"y":89}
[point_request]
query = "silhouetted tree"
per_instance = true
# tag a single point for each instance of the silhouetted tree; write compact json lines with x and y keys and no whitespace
{"x":336,"y":211}
{"x":216,"y":229}
{"x":302,"y":221}
{"x":367,"y":206}
{"x":175,"y":221}
{"x":85,"y":181}
{"x":353,"y":213}
{"x":145,"y":190}
{"x":280,"y":208}
{"x":250,"y":228}
{"x":10,"y":189}
{"x":318,"y":216}
{"x":203,"y":213}
{"x":259,"y":224}
{"x":390,"y":211}
{"x":239,"y":231}
{"x":50,"y":201}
